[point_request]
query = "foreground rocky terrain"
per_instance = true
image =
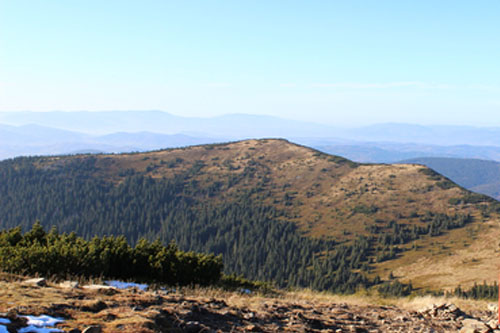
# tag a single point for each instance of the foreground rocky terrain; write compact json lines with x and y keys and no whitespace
{"x":100,"y":308}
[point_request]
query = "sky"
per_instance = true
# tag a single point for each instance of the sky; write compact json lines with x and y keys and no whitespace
{"x":337,"y":62}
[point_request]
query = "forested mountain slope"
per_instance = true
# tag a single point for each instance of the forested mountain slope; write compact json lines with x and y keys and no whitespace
{"x":275,"y":210}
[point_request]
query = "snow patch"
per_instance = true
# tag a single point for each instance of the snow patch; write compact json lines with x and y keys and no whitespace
{"x":35,"y":329}
{"x":126,"y":285}
{"x":41,"y":324}
{"x":43,"y":320}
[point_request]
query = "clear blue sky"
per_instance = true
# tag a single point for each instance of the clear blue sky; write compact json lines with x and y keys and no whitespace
{"x":339,"y":62}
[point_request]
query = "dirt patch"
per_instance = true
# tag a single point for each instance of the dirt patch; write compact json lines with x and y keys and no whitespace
{"x":220,"y":311}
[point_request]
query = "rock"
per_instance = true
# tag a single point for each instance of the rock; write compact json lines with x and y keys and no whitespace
{"x":98,"y":287}
{"x":249,"y":315}
{"x":474,"y":326}
{"x":252,"y":328}
{"x":69,"y":284}
{"x":103,"y":289}
{"x":93,"y":329}
{"x":493,"y":307}
{"x":493,"y":324}
{"x":37,"y":282}
{"x":16,"y":322}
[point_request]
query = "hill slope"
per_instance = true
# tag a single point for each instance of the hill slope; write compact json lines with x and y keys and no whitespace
{"x":477,"y":175}
{"x":275,"y":210}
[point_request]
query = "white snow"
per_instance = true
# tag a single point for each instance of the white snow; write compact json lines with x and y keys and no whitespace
{"x":36,"y":324}
{"x":125,"y":285}
{"x":35,"y":329}
{"x":43,"y":320}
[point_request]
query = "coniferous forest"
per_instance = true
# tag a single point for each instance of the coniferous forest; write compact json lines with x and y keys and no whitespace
{"x":62,"y":255}
{"x":254,"y":239}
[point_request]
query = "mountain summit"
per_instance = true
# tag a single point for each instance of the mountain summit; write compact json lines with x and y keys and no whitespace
{"x":275,"y":210}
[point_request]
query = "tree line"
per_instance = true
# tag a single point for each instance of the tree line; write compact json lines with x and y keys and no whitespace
{"x":63,"y":255}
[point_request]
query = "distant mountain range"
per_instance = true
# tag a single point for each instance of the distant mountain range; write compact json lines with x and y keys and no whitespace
{"x":41,"y":140}
{"x":388,"y":152}
{"x":446,"y":148}
{"x":241,"y":126}
{"x":235,"y":126}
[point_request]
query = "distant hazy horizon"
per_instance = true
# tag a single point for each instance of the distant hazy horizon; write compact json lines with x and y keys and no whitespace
{"x":345,"y":125}
{"x":332,"y":62}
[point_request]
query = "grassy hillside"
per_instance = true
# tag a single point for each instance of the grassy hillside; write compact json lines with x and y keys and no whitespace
{"x":274,"y":210}
{"x":480,"y":176}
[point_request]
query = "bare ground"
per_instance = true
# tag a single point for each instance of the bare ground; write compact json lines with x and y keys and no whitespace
{"x":213,"y":310}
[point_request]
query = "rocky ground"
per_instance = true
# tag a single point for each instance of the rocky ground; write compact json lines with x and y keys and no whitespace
{"x":98,"y":308}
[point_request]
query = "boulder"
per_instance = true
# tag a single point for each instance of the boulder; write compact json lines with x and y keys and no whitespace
{"x":101,"y":288}
{"x":493,"y":324}
{"x":474,"y":326}
{"x":69,"y":284}
{"x":493,"y":307}
{"x":36,"y":282}
{"x":252,"y":328}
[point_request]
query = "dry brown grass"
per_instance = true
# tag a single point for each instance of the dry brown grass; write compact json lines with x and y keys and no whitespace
{"x":324,"y":190}
{"x":311,"y":298}
{"x":325,"y":193}
{"x":460,"y":257}
{"x":132,"y":311}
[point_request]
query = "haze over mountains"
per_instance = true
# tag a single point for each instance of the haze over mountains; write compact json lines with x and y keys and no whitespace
{"x":51,"y":133}
{"x":33,"y":133}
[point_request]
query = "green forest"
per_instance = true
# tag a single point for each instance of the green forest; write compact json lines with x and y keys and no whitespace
{"x":255,"y":240}
{"x":63,"y":255}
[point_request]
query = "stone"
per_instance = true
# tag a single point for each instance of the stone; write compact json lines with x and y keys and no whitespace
{"x":93,"y":329}
{"x":474,"y":326}
{"x":249,"y":315}
{"x":493,"y":307}
{"x":103,"y":289}
{"x":98,"y":286}
{"x":493,"y":324}
{"x":36,"y":282}
{"x":69,"y":284}
{"x":252,"y":328}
